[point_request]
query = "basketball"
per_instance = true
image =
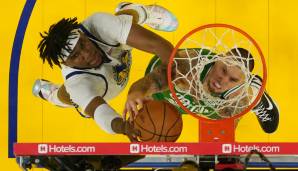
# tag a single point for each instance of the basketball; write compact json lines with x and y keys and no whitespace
{"x":158,"y":121}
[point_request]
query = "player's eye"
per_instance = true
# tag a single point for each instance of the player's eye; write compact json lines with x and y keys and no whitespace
{"x":224,"y":69}
{"x":233,"y":79}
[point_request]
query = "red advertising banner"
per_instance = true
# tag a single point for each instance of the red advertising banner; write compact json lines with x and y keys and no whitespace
{"x":21,"y":149}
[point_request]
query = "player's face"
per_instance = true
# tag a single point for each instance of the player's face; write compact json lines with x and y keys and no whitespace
{"x":222,"y":77}
{"x":85,"y":54}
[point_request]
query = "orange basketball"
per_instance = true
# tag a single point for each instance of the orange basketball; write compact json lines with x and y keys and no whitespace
{"x":158,"y":121}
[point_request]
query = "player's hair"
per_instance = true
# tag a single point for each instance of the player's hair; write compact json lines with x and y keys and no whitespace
{"x":55,"y":40}
{"x":245,"y":56}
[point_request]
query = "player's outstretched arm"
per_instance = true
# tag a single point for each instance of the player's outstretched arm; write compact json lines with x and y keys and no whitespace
{"x":154,"y":82}
{"x":145,"y":40}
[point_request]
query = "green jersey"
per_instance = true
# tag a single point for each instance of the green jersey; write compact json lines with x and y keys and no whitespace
{"x":187,"y":100}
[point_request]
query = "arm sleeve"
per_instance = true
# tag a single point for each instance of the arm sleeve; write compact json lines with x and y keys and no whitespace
{"x":110,"y":28}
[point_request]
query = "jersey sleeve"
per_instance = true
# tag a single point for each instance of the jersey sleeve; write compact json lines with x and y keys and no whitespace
{"x":82,"y":89}
{"x":112,"y":29}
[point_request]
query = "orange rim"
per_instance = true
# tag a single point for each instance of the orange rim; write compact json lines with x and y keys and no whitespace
{"x":216,"y":25}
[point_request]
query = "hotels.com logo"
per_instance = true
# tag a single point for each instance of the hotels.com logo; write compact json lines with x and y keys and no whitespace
{"x":226,"y":148}
{"x":134,"y":148}
{"x":42,"y":148}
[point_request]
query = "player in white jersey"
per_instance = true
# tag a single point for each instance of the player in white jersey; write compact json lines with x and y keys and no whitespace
{"x":95,"y":59}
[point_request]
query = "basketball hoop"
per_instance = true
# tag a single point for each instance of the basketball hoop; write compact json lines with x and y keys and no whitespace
{"x":203,"y":46}
{"x":193,"y":59}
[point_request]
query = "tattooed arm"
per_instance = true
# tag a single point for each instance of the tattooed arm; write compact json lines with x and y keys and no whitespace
{"x":154,"y":82}
{"x":141,"y":90}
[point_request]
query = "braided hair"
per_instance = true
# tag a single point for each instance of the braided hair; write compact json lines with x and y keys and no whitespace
{"x":55,"y":40}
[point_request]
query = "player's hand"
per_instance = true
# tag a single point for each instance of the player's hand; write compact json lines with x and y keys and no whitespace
{"x":130,"y":131}
{"x":135,"y":101}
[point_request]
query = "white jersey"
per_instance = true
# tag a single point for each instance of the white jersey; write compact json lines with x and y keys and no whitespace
{"x":110,"y":33}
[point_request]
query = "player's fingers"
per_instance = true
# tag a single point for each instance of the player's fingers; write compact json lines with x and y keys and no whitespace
{"x":140,"y":103}
{"x":133,"y":139}
{"x":131,"y":117}
{"x":128,"y":108}
{"x":134,"y":136}
{"x":148,"y":98}
{"x":130,"y":112}
{"x":134,"y":108}
{"x":137,"y":132}
{"x":124,"y":114}
{"x":131,"y":132}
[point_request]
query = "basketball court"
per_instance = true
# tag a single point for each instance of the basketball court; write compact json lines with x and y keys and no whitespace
{"x":27,"y":119}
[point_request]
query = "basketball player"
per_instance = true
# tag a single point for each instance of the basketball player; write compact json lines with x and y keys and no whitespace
{"x":219,"y":79}
{"x":94,"y":57}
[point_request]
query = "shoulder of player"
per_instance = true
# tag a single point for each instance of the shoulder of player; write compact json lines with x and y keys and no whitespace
{"x":108,"y":28}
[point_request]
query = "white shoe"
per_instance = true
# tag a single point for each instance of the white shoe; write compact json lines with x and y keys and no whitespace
{"x":43,"y":88}
{"x":155,"y":16}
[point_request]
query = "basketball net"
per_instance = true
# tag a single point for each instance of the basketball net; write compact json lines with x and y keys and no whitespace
{"x":195,"y":87}
{"x":198,"y":51}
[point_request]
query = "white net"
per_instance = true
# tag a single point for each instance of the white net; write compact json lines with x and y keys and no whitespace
{"x":206,"y":50}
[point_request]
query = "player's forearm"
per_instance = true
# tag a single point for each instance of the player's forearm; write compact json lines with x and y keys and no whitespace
{"x":163,"y":49}
{"x":148,"y":41}
{"x":141,"y":86}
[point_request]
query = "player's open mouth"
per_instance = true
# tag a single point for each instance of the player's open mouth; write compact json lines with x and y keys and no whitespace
{"x":214,"y":85}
